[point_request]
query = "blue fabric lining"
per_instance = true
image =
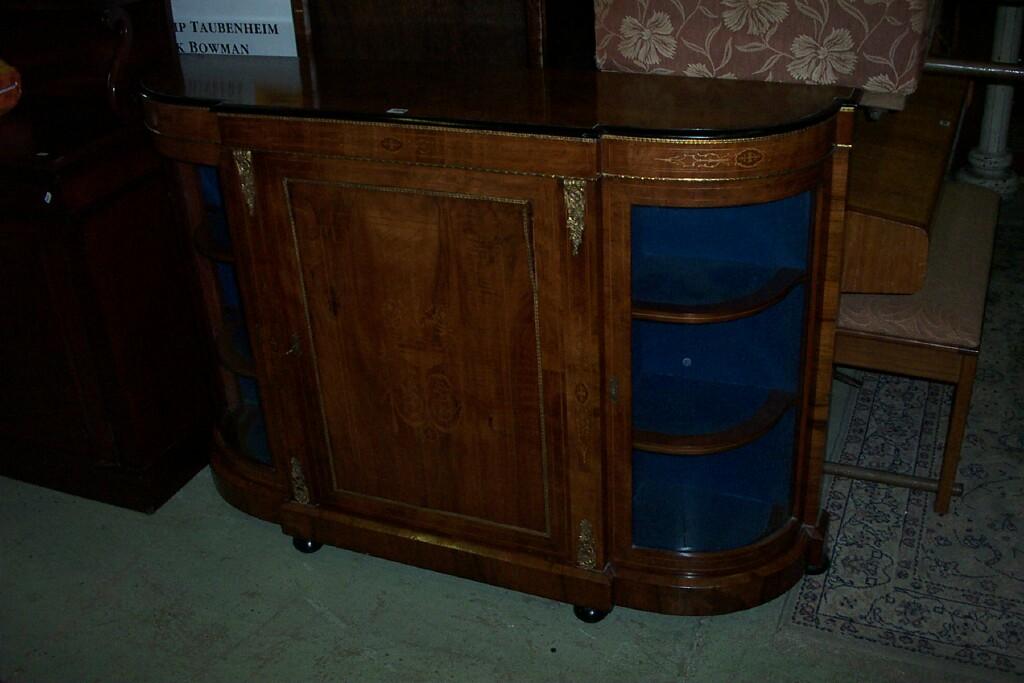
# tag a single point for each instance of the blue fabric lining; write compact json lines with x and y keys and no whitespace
{"x":694,"y":256}
{"x":672,"y":405}
{"x":771,"y":234}
{"x":255,"y":443}
{"x":700,"y":378}
{"x":216,"y":220}
{"x":209,"y":183}
{"x":714,"y":502}
{"x":762,"y":350}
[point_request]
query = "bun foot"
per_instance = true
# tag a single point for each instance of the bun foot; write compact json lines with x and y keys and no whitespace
{"x":817,"y":569}
{"x":589,"y":614}
{"x":305,"y":545}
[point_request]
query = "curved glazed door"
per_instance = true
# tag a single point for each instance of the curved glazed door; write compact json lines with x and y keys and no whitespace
{"x":413,"y":336}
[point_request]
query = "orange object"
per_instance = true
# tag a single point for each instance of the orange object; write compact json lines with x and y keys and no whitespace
{"x":10,"y":87}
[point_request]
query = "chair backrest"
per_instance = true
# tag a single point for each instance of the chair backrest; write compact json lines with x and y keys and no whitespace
{"x":876,"y":46}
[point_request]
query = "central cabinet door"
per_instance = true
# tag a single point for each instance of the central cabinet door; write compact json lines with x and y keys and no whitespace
{"x":419,"y":376}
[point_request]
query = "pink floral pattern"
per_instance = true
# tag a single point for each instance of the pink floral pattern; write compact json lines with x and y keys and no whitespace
{"x":648,"y":41}
{"x":876,"y":45}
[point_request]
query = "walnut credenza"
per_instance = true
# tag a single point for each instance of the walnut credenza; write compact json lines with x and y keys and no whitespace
{"x":568,"y":333}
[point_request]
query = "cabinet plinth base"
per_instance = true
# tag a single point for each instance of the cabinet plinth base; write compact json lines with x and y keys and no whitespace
{"x":592,"y":594}
{"x":521,"y":571}
{"x":238,"y":483}
{"x":818,"y":569}
{"x":722,"y":592}
{"x":241,"y":486}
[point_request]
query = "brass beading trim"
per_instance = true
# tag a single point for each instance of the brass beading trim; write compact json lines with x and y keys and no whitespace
{"x":718,"y":141}
{"x":440,"y":127}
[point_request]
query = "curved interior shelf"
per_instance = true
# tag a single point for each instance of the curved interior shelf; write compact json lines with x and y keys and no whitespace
{"x":714,"y":502}
{"x":683,"y":292}
{"x":674,"y":416}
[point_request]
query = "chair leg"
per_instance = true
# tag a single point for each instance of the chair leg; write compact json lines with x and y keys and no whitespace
{"x":955,"y":435}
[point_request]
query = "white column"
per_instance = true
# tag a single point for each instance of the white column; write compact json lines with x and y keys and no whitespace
{"x":990,"y":163}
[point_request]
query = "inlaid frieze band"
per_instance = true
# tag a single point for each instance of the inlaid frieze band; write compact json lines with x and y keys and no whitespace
{"x":711,"y":159}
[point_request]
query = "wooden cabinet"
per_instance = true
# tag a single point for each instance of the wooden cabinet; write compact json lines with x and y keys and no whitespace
{"x":589,"y":361}
{"x":411,"y":325}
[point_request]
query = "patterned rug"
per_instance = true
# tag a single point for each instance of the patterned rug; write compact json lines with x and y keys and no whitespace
{"x":943,"y":592}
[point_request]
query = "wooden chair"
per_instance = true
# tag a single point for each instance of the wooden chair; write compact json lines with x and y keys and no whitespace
{"x":933,"y":334}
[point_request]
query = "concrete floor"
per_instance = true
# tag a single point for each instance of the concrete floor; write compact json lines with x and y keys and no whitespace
{"x":202,"y":592}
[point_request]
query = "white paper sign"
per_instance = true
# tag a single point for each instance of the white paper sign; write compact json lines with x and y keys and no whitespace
{"x":234,"y":27}
{"x":274,"y":80}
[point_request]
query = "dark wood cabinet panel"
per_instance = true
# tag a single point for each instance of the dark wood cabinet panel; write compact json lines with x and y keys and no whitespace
{"x":41,"y":357}
{"x":107,"y":391}
{"x":105,"y":377}
{"x":427,"y":306}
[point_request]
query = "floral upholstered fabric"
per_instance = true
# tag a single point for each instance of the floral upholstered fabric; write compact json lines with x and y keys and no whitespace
{"x":876,"y":45}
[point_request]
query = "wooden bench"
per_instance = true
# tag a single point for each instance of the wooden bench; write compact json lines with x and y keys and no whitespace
{"x":933,"y":334}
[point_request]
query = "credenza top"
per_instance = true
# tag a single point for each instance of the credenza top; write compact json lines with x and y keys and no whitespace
{"x":540,"y":101}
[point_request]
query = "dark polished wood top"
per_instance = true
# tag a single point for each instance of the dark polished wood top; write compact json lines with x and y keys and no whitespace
{"x":542,"y":101}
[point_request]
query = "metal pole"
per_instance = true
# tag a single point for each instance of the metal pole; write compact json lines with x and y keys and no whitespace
{"x":989,"y":164}
{"x":988,"y":70}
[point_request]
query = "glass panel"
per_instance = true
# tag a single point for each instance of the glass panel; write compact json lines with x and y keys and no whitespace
{"x":232,"y":316}
{"x":246,"y":430}
{"x":244,"y":426}
{"x":700,"y":256}
{"x":216,"y":221}
{"x":714,"y":502}
{"x":696,"y":378}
